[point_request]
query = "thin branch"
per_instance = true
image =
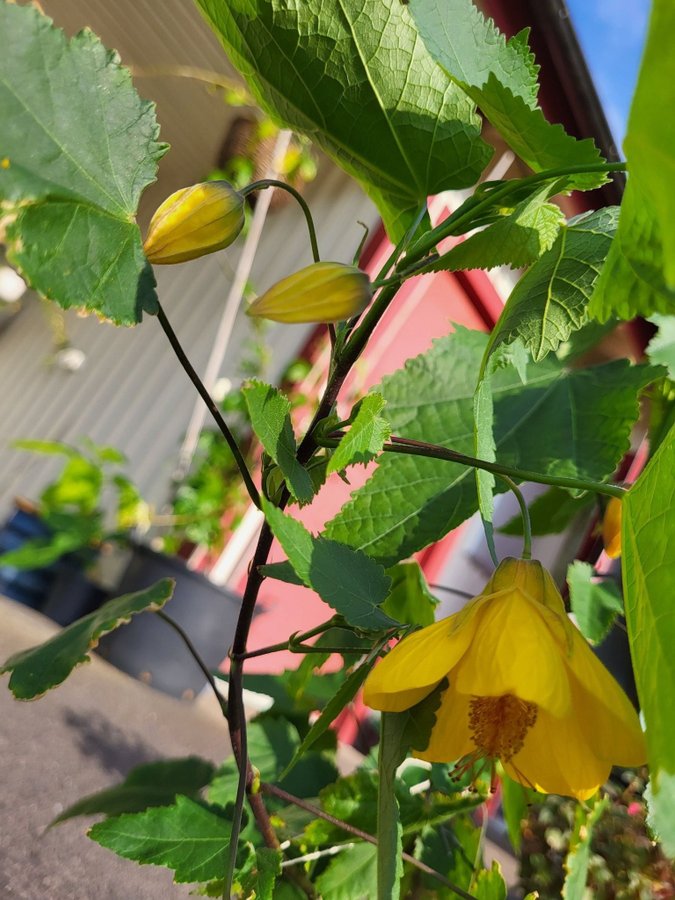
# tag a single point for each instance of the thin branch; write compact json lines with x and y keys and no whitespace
{"x":280,"y":794}
{"x":525,"y":514}
{"x":213,"y":409}
{"x":197,"y":658}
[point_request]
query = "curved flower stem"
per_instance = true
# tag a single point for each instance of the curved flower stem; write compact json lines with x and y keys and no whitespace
{"x":265,"y":183}
{"x":211,"y":406}
{"x":524,"y":512}
{"x":197,"y":658}
{"x":278,"y":792}
{"x":287,"y":645}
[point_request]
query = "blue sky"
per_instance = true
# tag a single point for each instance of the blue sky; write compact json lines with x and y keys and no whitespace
{"x":612,"y":33}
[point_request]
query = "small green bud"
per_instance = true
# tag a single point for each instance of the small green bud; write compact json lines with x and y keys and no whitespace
{"x":322,"y":292}
{"x":194,"y":221}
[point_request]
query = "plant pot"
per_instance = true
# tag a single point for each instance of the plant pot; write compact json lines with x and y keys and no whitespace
{"x":149,"y":649}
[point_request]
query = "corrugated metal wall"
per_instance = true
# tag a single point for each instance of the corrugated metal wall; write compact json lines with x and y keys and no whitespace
{"x":131,"y":392}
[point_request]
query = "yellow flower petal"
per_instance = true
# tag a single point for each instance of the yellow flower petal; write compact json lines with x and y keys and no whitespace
{"x":557,"y":758}
{"x":529,"y":576}
{"x":416,"y":665}
{"x":450,"y":737}
{"x":515,"y":653}
{"x":606,"y":713}
{"x":611,"y":528}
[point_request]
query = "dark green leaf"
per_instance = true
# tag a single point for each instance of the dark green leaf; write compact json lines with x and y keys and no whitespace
{"x":188,"y":837}
{"x":648,"y":538}
{"x":40,"y":668}
{"x":490,"y":884}
{"x":347,"y":580}
{"x":366,"y":435}
{"x":268,"y":867}
{"x":282,"y":571}
{"x":595,"y":603}
{"x":345,"y":694}
{"x":354,"y":76}
{"x":150,"y":784}
{"x":579,"y":855}
{"x":551,"y":512}
{"x":270,"y":417}
{"x":352,"y":875}
{"x":551,"y":300}
{"x":516,"y":239}
{"x":549,"y":425}
{"x":501,"y":78}
{"x":410,"y":601}
{"x":77,"y":147}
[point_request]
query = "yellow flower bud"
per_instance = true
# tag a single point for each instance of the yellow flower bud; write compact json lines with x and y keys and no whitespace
{"x":611,"y":528}
{"x":519,"y":684}
{"x":322,"y":292}
{"x":194,"y":221}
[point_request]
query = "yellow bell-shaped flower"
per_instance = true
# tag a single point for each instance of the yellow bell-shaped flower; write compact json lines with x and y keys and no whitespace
{"x":524,"y":688}
{"x":322,"y":292}
{"x":611,"y":528}
{"x":194,"y":221}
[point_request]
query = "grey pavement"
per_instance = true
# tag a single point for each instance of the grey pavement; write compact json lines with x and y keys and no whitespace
{"x":81,"y":737}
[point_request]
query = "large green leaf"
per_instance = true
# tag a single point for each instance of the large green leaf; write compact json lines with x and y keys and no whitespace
{"x":648,"y":539}
{"x":347,"y":580}
{"x":650,"y":137}
{"x":551,"y":300}
{"x":355,"y":77}
{"x":549,"y":425}
{"x":595,"y":603}
{"x":187,"y":837}
{"x":36,"y":670}
{"x":77,"y":147}
{"x":501,"y":78}
{"x":352,"y":875}
{"x":410,"y":601}
{"x":150,"y":784}
{"x":270,"y":416}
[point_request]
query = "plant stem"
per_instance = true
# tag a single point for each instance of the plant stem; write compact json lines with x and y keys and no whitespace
{"x":197,"y":658}
{"x":211,"y":406}
{"x":525,"y":513}
{"x":285,"y":645}
{"x":421,"y":448}
{"x":278,"y":792}
{"x":265,"y":183}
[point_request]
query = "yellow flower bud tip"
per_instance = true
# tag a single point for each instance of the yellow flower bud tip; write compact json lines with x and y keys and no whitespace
{"x":611,"y":528}
{"x":524,"y":688}
{"x":322,"y":292}
{"x":194,"y":221}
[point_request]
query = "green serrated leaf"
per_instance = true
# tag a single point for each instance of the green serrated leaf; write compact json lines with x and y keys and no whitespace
{"x":268,"y":868}
{"x":516,"y":239}
{"x":579,"y":855}
{"x":345,"y":694}
{"x":366,"y":435}
{"x":548,"y":425}
{"x":150,"y":784}
{"x":502,"y":80}
{"x":270,"y":416}
{"x":187,"y":837}
{"x":595,"y":604}
{"x":352,"y":875}
{"x":490,"y":884}
{"x":395,"y":121}
{"x":77,"y":147}
{"x":648,"y":538}
{"x":410,"y":601}
{"x":551,"y":300}
{"x":631,"y":282}
{"x":347,"y":580}
{"x":36,"y":670}
{"x":551,"y":512}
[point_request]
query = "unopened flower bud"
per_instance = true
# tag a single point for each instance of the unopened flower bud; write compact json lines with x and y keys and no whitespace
{"x":322,"y":292}
{"x":611,"y":528}
{"x":195,"y":221}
